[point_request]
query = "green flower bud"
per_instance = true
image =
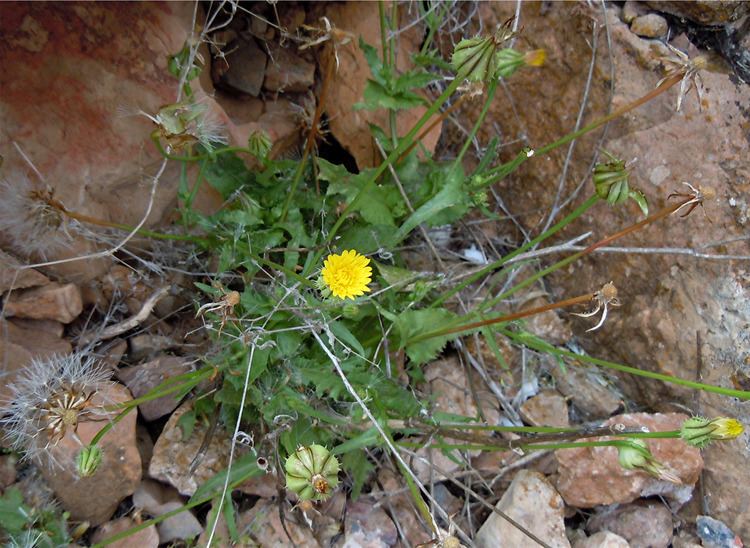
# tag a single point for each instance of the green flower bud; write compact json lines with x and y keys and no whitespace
{"x":312,"y":472}
{"x":634,"y":454}
{"x":88,"y":460}
{"x":350,"y":311}
{"x":259,"y":144}
{"x":611,"y":183}
{"x":700,"y":431}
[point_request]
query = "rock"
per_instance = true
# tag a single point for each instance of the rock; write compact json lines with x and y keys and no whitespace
{"x":40,"y":343}
{"x":715,"y":534}
{"x":287,"y":71}
{"x":172,"y":456}
{"x":533,"y":503}
{"x":349,"y":126}
{"x":147,"y":345}
{"x":367,"y":526}
{"x":145,"y":538}
{"x":263,"y":519}
{"x":264,"y":486}
{"x":97,"y":161}
{"x":95,"y":498}
{"x":603,"y":539}
{"x":13,"y":358}
{"x":141,"y":379}
{"x":241,"y":69}
{"x":400,"y":506}
{"x":157,"y":500}
{"x":592,"y":476}
{"x":686,"y":540}
{"x":705,"y":12}
{"x":631,"y":10}
{"x":53,"y":301}
{"x":7,"y":470}
{"x":145,"y":446}
{"x":13,"y":276}
{"x":48,"y":326}
{"x":548,"y":408}
{"x":650,"y":25}
{"x":647,"y":525}
{"x":591,"y":393}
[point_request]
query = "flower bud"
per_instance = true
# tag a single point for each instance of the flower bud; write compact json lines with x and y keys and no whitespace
{"x":350,"y":311}
{"x":259,"y":144}
{"x":88,"y":460}
{"x":700,"y":431}
{"x":634,"y":454}
{"x":312,"y":472}
{"x":611,"y":183}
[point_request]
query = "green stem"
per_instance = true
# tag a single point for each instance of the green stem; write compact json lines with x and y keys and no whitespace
{"x":539,"y":346}
{"x":490,"y":95}
{"x":580,"y":210}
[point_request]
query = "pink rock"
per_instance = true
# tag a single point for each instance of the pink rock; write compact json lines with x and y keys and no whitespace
{"x":533,"y":503}
{"x":145,"y":538}
{"x":53,"y":301}
{"x":13,"y":277}
{"x":592,"y":476}
{"x":603,"y":539}
{"x":140,"y":379}
{"x":95,"y":498}
{"x":288,"y":71}
{"x":648,"y":524}
{"x":548,"y":408}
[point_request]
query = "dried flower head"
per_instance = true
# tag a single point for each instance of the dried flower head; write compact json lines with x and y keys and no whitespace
{"x":347,"y":275}
{"x":680,"y":64}
{"x":48,"y":401}
{"x":188,"y":122}
{"x":603,"y":299}
{"x":694,"y":198}
{"x":32,"y":218}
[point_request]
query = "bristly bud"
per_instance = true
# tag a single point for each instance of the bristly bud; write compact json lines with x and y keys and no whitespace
{"x":482,"y":60}
{"x":182,"y":124}
{"x":633,"y":454}
{"x":88,"y":460}
{"x":312,"y":472}
{"x":611,"y":183}
{"x":48,"y":401}
{"x":259,"y":144}
{"x":700,"y":431}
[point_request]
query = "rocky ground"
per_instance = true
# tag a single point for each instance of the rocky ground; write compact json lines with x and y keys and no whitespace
{"x":72,"y":74}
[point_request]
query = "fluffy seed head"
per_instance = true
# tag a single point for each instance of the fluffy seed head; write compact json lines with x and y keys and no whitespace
{"x":47,"y":402}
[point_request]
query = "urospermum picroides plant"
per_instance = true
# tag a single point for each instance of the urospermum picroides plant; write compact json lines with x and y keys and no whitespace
{"x":321,"y":328}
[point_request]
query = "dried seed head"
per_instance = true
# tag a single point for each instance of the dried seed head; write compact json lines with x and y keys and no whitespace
{"x":48,"y":401}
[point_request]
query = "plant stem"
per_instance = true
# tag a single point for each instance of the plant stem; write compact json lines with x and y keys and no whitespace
{"x":580,"y":210}
{"x":537,"y":345}
{"x":566,"y":261}
{"x":506,"y":318}
{"x":490,"y":96}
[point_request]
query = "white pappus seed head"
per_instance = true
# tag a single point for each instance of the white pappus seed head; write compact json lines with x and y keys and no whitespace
{"x":31,"y":223}
{"x":48,"y":400}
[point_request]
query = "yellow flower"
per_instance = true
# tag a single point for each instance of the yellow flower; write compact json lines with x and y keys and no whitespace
{"x":348,"y":274}
{"x":700,"y":431}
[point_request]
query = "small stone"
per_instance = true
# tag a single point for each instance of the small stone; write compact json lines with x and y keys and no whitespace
{"x":650,"y":25}
{"x":548,"y":408}
{"x":641,"y":525}
{"x":242,"y":70}
{"x":95,"y":498}
{"x":704,"y":12}
{"x":148,"y":345}
{"x":368,"y":526}
{"x":715,"y":534}
{"x":603,"y":539}
{"x":157,"y":499}
{"x":288,"y":72}
{"x":14,"y":276}
{"x":685,"y":540}
{"x":40,"y":343}
{"x":145,"y":538}
{"x":592,"y":476}
{"x":14,"y":358}
{"x":631,"y":10}
{"x":532,"y":502}
{"x":587,"y":389}
{"x":48,"y":326}
{"x":172,"y":456}
{"x":7,"y":470}
{"x":263,"y":520}
{"x":53,"y":301}
{"x":141,"y":379}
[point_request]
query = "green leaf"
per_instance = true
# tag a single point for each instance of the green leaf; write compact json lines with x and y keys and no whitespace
{"x":413,"y":79}
{"x":374,"y":207}
{"x":341,"y":332}
{"x":377,"y":96}
{"x":13,"y":514}
{"x":357,"y":464}
{"x":451,"y":196}
{"x":226,"y":173}
{"x":414,"y":323}
{"x":368,"y":438}
{"x":243,"y":468}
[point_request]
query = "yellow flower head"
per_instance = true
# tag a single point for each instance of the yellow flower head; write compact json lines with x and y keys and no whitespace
{"x":700,"y":431}
{"x":347,"y":275}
